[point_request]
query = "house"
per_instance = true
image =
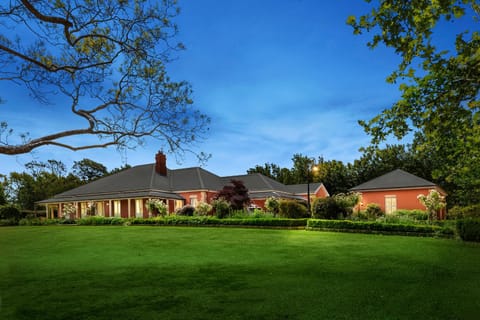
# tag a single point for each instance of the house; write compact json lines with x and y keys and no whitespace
{"x":396,"y":190}
{"x":125,"y":194}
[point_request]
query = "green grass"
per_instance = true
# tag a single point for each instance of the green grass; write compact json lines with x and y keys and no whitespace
{"x":71,"y":272}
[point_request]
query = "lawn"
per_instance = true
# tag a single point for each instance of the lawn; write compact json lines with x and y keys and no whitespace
{"x":138,"y":272}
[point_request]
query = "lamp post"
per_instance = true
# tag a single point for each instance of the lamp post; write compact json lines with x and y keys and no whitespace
{"x":311,"y":167}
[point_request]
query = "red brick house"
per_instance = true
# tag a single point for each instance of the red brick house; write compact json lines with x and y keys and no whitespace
{"x":125,"y":193}
{"x":396,"y":190}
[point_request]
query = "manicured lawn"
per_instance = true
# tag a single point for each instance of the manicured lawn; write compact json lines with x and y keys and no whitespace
{"x":71,"y":272}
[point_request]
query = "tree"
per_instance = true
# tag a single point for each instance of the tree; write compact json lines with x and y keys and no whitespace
{"x":44,"y":181}
{"x":334,"y":175}
{"x":88,"y":170}
{"x":3,"y":189}
{"x":236,"y":194}
{"x":376,"y":161}
{"x":433,"y":202}
{"x":103,"y":60}
{"x":440,"y":86}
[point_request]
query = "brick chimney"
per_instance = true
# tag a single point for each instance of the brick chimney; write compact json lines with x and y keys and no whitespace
{"x":161,"y":163}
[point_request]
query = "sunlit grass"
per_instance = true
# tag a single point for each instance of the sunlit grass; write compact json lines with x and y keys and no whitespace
{"x":72,"y":272}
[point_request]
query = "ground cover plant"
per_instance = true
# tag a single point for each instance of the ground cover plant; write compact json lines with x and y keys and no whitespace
{"x":142,"y":272}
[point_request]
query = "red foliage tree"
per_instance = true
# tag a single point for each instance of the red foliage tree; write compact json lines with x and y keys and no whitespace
{"x":236,"y":194}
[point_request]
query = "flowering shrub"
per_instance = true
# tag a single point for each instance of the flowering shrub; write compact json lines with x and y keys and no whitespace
{"x":272,"y":204}
{"x":157,"y":206}
{"x":203,"y":209}
{"x":433,"y":202}
{"x":69,"y":210}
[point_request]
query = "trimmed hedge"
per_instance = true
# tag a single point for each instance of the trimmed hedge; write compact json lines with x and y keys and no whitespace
{"x":374,"y":227}
{"x":98,"y":221}
{"x":267,"y":222}
{"x":469,"y":229}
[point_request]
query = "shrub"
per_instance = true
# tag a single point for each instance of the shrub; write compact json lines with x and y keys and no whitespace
{"x":346,"y":202}
{"x":374,"y":211}
{"x":157,"y":206}
{"x":272,"y":205}
{"x":221,"y":207}
{"x":469,"y":229}
{"x":8,"y":222}
{"x":186,"y":210}
{"x":414,"y":214}
{"x":457,"y":212}
{"x":292,"y":209}
{"x":203,"y":209}
{"x":326,"y":208}
{"x":10,"y":212}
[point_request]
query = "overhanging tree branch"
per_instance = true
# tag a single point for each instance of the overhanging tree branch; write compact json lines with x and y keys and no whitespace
{"x":109,"y":59}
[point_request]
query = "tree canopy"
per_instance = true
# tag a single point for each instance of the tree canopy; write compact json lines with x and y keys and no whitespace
{"x":439,"y":84}
{"x":105,"y":61}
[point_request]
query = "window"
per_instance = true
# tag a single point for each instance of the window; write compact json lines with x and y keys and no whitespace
{"x":193,"y":201}
{"x":83,"y":209}
{"x":139,"y":208}
{"x":100,"y":211}
{"x":390,"y":204}
{"x":178,"y":204}
{"x":117,"y":208}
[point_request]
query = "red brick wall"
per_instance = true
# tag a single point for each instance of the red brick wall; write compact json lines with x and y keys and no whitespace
{"x":321,"y":192}
{"x":406,"y":199}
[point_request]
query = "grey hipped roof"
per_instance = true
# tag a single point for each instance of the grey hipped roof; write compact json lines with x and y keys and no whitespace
{"x":144,"y":181}
{"x":397,"y":179}
{"x":261,"y":187}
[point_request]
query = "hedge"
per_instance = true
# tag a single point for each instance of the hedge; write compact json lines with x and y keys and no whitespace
{"x":469,"y":229}
{"x":173,"y":220}
{"x":375,"y":227}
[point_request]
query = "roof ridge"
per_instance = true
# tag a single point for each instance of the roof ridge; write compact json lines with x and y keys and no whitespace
{"x":202,"y":184}
{"x":265,"y":180}
{"x":152,"y":176}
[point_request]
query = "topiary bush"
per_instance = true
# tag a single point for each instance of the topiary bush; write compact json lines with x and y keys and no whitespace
{"x":469,"y":229}
{"x":186,"y":210}
{"x":326,"y":208}
{"x":292,"y":209}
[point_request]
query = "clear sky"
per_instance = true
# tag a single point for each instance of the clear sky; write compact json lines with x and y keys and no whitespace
{"x":277,"y":77}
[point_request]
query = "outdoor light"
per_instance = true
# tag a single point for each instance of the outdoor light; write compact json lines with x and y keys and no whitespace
{"x":313,"y":168}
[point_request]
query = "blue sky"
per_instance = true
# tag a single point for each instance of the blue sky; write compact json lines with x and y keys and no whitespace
{"x":277,"y":77}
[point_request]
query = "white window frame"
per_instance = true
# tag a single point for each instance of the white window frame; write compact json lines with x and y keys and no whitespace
{"x":390,"y":204}
{"x":193,"y":201}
